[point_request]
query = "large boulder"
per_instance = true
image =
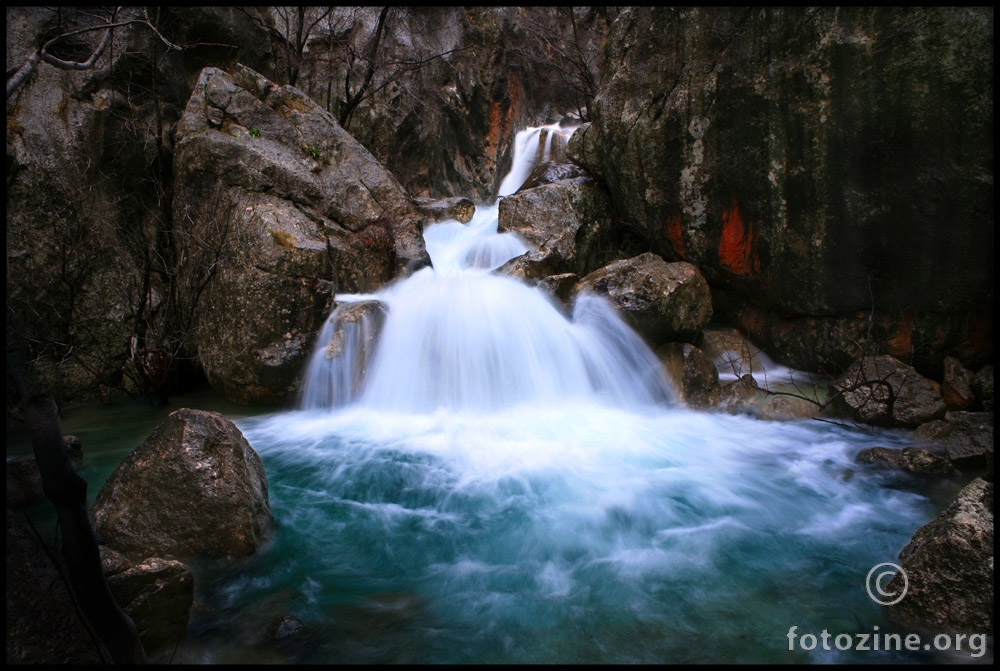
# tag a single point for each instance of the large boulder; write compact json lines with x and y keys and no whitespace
{"x":883,"y":390}
{"x":969,"y":437}
{"x":662,"y":301}
{"x":821,"y":166}
{"x":194,"y":488}
{"x":949,"y":567}
{"x":309,"y":212}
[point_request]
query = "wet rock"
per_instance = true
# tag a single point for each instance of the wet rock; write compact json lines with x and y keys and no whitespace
{"x":157,"y":594}
{"x":949,"y":567}
{"x":458,"y":208}
{"x":693,"y":374}
{"x":908,"y":459}
{"x":739,"y":397}
{"x":552,"y":171}
{"x":885,"y":391}
{"x":337,"y":372}
{"x":662,"y":301}
{"x":559,"y":286}
{"x":194,"y":488}
{"x":288,"y":627}
{"x":786,"y":407}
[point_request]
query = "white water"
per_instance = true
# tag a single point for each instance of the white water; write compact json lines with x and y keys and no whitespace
{"x":521,"y":485}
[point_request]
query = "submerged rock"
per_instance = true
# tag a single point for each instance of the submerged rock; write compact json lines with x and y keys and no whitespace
{"x":949,"y":567}
{"x":909,"y":460}
{"x":194,"y":488}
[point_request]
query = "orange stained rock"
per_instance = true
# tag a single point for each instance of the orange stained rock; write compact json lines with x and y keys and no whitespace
{"x":675,"y":235}
{"x":737,"y":253}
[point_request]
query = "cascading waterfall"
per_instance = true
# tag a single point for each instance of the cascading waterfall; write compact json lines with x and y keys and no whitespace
{"x":459,"y":337}
{"x":479,"y":475}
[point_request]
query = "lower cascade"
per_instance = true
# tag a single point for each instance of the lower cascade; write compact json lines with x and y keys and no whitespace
{"x":478,"y":474}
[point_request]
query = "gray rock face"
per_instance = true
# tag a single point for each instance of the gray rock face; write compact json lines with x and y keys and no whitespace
{"x":949,"y":566}
{"x":194,"y":488}
{"x":884,"y":390}
{"x":663,"y":301}
{"x":802,"y":159}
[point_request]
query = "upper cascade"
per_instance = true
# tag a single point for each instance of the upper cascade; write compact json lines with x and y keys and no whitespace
{"x":458,"y":336}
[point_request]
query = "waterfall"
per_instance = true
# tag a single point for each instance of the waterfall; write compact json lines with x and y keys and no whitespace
{"x":458,"y":336}
{"x":480,"y":474}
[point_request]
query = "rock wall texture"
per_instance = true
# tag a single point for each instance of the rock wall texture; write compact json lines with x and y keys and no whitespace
{"x":817,"y":164}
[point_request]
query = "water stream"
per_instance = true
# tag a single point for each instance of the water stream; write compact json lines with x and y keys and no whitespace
{"x":491,"y":477}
